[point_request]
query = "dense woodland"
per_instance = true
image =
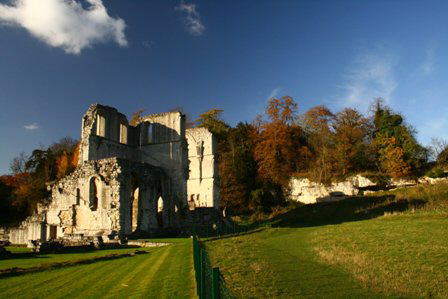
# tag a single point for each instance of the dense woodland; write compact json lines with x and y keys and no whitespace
{"x":256,"y":161}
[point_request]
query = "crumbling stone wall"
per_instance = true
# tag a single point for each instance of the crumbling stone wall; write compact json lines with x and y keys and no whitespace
{"x":202,"y":184}
{"x":128,"y":179}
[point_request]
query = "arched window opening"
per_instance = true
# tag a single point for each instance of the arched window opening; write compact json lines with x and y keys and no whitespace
{"x":123,"y":133}
{"x":134,"y":202}
{"x":93,"y":194}
{"x":197,"y":200}
{"x":100,"y":125}
{"x":160,"y":211}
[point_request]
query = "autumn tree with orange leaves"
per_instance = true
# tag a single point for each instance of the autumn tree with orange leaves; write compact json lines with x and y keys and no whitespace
{"x":351,"y":142}
{"x":317,"y":123}
{"x":278,"y":141}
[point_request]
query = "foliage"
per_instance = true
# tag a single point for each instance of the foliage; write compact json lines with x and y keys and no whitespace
{"x":436,"y":173}
{"x":237,"y":169}
{"x":136,"y":117}
{"x":317,"y":123}
{"x":278,"y":142}
{"x":351,"y":132}
{"x":398,"y":152}
{"x":442,"y":157}
{"x":22,"y":191}
{"x":212,"y":120}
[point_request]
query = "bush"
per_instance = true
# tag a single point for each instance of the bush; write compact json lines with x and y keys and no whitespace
{"x":436,"y":173}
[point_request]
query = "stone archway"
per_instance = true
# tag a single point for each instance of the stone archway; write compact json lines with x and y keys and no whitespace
{"x":134,"y":202}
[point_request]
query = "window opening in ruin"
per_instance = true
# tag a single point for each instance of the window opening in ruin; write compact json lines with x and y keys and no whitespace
{"x":53,"y":231}
{"x":78,"y":197}
{"x":134,"y":209}
{"x":123,"y":133}
{"x":160,"y":211}
{"x":100,"y":125}
{"x":197,"y":199}
{"x":191,"y":203}
{"x":93,"y":194}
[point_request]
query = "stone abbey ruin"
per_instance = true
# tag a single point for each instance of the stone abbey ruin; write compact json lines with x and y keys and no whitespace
{"x":153,"y":178}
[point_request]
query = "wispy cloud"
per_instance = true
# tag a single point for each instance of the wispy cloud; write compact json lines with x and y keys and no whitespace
{"x":371,"y":75}
{"x":192,"y":19}
{"x":31,"y":127}
{"x":274,"y":93}
{"x":65,"y":24}
{"x":427,"y":66}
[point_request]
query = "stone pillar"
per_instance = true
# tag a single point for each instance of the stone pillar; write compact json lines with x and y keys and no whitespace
{"x":144,"y":211}
{"x":125,"y":209}
{"x":153,"y":208}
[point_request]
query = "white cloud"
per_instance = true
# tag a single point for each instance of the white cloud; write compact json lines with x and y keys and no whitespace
{"x":427,"y":66}
{"x":31,"y":127}
{"x":274,"y":93}
{"x":65,"y":23}
{"x":370,"y":76}
{"x":193,"y":22}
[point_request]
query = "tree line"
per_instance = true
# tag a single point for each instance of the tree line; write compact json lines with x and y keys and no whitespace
{"x":257,"y":160}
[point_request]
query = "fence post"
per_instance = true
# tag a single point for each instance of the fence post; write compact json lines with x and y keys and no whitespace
{"x":197,"y":261}
{"x":202,"y":273}
{"x":215,"y":283}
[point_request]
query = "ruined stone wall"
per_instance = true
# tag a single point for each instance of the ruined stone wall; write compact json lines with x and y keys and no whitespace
{"x":305,"y":191}
{"x":202,"y":184}
{"x":166,"y":147}
{"x":30,"y":229}
{"x":105,"y":133}
{"x":74,"y":208}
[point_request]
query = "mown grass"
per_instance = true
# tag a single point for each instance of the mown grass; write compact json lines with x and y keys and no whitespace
{"x":345,"y":249}
{"x":24,"y":258}
{"x":164,"y":272}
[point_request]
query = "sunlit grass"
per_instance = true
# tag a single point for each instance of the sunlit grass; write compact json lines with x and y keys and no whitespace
{"x":163,"y":272}
{"x":346,"y":249}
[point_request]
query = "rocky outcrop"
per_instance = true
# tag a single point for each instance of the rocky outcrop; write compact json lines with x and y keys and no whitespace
{"x":305,"y":191}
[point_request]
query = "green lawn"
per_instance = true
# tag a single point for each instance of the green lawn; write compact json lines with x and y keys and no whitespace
{"x":164,"y":272}
{"x":345,"y":250}
{"x":23,"y":258}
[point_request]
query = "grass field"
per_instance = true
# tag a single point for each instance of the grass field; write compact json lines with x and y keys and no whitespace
{"x":345,"y":250}
{"x":164,"y":272}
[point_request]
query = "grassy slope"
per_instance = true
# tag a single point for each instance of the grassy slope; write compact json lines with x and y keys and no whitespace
{"x":402,"y":254}
{"x":164,"y":272}
{"x":280,"y":263}
{"x":348,"y":252}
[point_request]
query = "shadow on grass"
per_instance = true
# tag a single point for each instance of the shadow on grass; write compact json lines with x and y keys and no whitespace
{"x":50,"y":266}
{"x":349,"y":209}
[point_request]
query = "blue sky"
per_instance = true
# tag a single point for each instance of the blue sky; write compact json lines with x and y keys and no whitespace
{"x":57,"y":57}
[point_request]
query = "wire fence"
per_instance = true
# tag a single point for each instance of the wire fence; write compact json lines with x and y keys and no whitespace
{"x":209,"y":281}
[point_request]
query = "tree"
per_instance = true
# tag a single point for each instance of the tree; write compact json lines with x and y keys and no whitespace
{"x":17,"y":165}
{"x":278,"y":141}
{"x":237,"y":169}
{"x":212,"y":120}
{"x":317,"y":123}
{"x":351,"y":132}
{"x":398,"y":152}
{"x":136,"y":117}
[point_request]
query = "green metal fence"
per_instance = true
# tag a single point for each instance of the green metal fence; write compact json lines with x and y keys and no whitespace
{"x":209,"y":281}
